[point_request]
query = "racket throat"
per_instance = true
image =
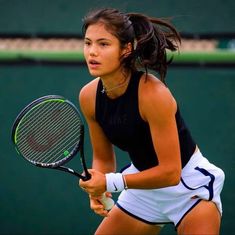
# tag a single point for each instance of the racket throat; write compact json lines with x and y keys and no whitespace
{"x":71,"y":171}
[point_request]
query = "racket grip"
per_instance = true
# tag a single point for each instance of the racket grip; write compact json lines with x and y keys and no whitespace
{"x":107,"y":202}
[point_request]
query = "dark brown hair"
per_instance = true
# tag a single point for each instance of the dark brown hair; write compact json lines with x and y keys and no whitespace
{"x":150,"y":37}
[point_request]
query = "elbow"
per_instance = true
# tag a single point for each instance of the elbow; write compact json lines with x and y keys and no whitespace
{"x":175,"y":181}
{"x":174,"y":177}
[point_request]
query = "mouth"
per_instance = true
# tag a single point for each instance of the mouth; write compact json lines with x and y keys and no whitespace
{"x":93,"y":62}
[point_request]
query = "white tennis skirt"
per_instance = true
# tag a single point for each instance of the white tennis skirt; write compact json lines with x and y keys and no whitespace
{"x":200,"y":180}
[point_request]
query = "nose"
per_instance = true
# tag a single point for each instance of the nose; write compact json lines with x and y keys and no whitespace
{"x":93,"y":51}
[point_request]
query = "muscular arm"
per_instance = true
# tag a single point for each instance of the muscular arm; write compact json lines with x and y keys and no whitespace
{"x":103,"y":154}
{"x":158,"y":107}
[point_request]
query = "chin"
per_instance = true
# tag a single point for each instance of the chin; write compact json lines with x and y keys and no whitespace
{"x":94,"y":74}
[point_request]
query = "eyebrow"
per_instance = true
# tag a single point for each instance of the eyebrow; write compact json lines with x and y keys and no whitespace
{"x":100,"y":39}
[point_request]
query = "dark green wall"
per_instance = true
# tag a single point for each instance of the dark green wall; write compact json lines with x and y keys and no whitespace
{"x":40,"y":201}
{"x":37,"y":201}
{"x":33,"y":16}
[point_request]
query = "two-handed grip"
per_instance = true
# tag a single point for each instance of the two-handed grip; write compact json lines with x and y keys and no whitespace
{"x":106,"y":201}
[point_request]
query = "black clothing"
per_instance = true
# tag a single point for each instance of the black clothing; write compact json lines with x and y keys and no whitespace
{"x":121,"y":122}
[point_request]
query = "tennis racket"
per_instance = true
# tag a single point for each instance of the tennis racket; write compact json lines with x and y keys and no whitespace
{"x":49,"y":132}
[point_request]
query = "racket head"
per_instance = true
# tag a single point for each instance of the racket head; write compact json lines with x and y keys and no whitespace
{"x":49,"y":132}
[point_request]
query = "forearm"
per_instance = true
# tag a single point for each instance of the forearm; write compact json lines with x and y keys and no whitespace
{"x":156,"y":177}
{"x":104,"y":165}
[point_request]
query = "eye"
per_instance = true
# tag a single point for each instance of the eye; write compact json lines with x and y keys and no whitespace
{"x":104,"y":44}
{"x":87,"y":43}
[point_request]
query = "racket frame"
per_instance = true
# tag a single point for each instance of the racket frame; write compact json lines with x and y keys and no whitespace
{"x":59,"y":164}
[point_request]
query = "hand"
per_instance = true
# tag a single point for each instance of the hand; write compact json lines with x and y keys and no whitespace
{"x":96,"y":186}
{"x":97,"y":206}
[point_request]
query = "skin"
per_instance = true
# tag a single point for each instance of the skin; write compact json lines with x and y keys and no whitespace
{"x":157,"y":106}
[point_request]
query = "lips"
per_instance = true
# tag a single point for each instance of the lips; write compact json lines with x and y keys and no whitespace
{"x":93,"y":62}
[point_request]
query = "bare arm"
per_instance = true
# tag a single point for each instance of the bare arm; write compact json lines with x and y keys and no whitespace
{"x":158,"y":108}
{"x":103,"y":153}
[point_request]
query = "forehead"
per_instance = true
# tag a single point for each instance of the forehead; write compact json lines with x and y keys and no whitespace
{"x":97,"y":31}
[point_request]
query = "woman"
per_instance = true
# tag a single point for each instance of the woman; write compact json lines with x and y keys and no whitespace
{"x":168,"y":180}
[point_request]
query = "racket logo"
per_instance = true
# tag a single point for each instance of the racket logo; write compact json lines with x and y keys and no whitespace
{"x":51,"y":139}
{"x":36,"y":141}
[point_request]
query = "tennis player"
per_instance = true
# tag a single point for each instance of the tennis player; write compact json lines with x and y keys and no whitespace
{"x":168,"y":179}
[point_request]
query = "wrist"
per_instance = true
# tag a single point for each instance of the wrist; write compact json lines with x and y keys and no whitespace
{"x":125,"y":183}
{"x":115,"y":182}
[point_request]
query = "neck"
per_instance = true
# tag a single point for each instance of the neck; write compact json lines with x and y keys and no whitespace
{"x":108,"y":89}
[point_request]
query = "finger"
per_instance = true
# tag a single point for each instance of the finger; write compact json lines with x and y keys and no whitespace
{"x":108,"y":194}
{"x":101,"y":212}
{"x":81,"y":183}
{"x":98,"y":207}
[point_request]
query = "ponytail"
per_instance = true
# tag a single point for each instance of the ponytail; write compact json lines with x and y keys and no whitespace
{"x":153,"y":37}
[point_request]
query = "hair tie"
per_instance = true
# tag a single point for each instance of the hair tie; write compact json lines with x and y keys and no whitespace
{"x":135,"y":44}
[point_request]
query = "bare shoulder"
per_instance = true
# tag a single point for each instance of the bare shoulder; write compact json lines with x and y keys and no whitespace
{"x":155,"y":96}
{"x":87,"y":98}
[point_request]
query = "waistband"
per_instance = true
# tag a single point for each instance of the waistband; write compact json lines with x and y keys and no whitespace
{"x":195,"y":159}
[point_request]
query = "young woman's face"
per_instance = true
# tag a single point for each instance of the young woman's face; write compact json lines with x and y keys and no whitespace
{"x":102,"y":51}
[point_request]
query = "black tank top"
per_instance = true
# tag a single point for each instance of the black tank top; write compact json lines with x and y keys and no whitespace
{"x":121,"y":122}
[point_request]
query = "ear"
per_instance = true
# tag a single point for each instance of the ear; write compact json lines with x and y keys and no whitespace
{"x":127,"y":50}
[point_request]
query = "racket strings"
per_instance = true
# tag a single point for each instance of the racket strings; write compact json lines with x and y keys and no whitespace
{"x":53,"y":151}
{"x":50,"y":127}
{"x":49,"y":132}
{"x":32,"y":122}
{"x":35,"y":122}
{"x":67,"y":145}
{"x":44,"y":131}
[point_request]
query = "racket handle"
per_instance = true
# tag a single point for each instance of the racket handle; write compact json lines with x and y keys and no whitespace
{"x":107,"y":202}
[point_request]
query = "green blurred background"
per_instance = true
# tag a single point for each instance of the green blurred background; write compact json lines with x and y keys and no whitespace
{"x":37,"y":201}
